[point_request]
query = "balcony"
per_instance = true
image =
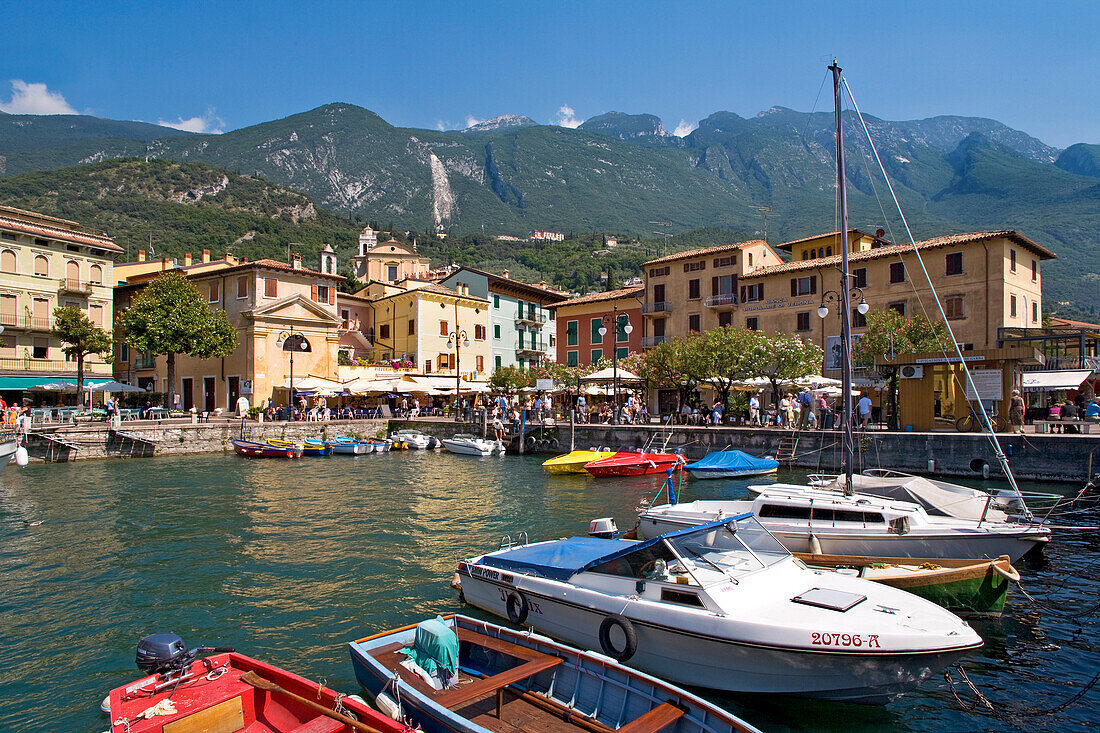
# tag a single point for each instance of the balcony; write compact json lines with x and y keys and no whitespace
{"x":73,"y":285}
{"x":61,"y":367}
{"x":656,"y":309}
{"x":530,"y":319}
{"x":534,"y":350}
{"x":729,"y":300}
{"x":25,"y":322}
{"x":648,"y":342}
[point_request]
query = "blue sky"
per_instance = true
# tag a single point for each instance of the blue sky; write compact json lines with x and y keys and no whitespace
{"x":222,"y":65}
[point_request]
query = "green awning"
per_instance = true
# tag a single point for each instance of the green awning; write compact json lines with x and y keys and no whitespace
{"x":28,"y":382}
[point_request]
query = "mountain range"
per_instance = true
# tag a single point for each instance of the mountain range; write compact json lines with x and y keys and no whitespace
{"x":623,"y":173}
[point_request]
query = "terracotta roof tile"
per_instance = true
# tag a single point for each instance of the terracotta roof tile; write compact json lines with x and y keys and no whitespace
{"x":97,"y":240}
{"x":631,"y":292}
{"x":270,"y":265}
{"x":788,"y":245}
{"x":895,"y":250}
{"x":701,"y":252}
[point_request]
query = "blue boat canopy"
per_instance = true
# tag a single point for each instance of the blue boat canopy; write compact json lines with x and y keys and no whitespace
{"x":732,"y":460}
{"x":562,"y":559}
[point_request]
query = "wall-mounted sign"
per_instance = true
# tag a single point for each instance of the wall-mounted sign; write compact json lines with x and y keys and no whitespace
{"x":779,"y":303}
{"x":544,"y":385}
{"x":246,"y":386}
{"x":989,"y":383}
{"x":832,"y":350}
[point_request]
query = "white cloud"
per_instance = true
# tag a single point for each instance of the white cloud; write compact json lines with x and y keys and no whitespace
{"x":684,"y":128}
{"x":471,"y":121}
{"x":567,"y":117}
{"x":209,"y":123}
{"x":440,"y":125}
{"x":35,"y":99}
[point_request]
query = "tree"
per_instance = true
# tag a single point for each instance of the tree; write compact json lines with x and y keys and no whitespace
{"x":668,"y":365}
{"x":81,"y":338}
{"x":170,"y":317}
{"x":509,"y":379}
{"x":891,"y":334}
{"x":781,"y":358}
{"x":719,"y":358}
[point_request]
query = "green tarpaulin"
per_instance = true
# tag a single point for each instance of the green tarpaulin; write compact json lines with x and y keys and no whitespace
{"x":28,"y":382}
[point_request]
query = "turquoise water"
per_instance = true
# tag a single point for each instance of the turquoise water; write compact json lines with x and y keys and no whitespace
{"x":287,"y":561}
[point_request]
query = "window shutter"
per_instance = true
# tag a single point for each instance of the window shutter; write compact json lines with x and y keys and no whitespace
{"x":685,"y":267}
{"x":813,"y":284}
{"x":714,"y":285}
{"x":313,"y":292}
{"x":743,"y":294}
{"x":760,"y":292}
{"x":331,"y":295}
{"x":794,"y":286}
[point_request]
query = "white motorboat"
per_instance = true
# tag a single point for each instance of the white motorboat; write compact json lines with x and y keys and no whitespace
{"x":723,"y":606}
{"x":471,"y":445}
{"x":415,"y":439}
{"x":8,"y":450}
{"x":821,"y":521}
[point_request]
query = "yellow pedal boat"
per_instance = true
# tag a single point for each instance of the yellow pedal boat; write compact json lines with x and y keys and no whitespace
{"x":573,"y":462}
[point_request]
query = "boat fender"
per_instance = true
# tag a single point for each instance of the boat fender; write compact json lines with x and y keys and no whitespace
{"x":631,"y":636}
{"x":517,"y":608}
{"x":554,"y":444}
{"x":387,"y":706}
{"x":815,"y":545}
{"x":1012,"y":574}
{"x":105,"y":706}
{"x":21,"y":456}
{"x":531,"y":441}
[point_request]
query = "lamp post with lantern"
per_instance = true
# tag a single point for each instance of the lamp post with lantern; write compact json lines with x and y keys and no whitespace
{"x":612,"y":319}
{"x":293,"y":342}
{"x":843,"y":299}
{"x":456,"y":339}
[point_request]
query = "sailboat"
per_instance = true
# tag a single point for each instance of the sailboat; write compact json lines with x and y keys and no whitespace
{"x":812,"y":518}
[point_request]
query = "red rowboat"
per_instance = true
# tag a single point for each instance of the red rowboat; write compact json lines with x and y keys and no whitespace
{"x":232,"y":692}
{"x":634,"y":464}
{"x":263,"y":450}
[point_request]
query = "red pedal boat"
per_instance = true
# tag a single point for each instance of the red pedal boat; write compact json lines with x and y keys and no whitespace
{"x":263,"y":450}
{"x":231,"y":692}
{"x":638,"y":463}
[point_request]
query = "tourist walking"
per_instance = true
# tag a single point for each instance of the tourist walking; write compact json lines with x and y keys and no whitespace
{"x":805,"y":405}
{"x":754,"y":410}
{"x":864,"y":409}
{"x":823,"y":423}
{"x":784,"y":416}
{"x":1016,"y":412}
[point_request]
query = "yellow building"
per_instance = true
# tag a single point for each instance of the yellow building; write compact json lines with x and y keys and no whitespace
{"x":265,"y":300}
{"x":389,"y":261}
{"x":47,"y":262}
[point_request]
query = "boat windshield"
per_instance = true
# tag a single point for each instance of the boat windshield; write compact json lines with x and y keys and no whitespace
{"x":735,"y":548}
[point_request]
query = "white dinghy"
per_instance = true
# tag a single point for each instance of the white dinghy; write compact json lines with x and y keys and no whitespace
{"x":723,"y":606}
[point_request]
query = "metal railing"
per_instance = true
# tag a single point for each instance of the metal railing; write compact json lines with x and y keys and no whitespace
{"x":531,"y":349}
{"x":536,"y":319}
{"x":659,"y":307}
{"x":648,"y":342}
{"x":33,"y":323}
{"x":714,"y":301}
{"x":28,"y":364}
{"x":73,"y":285}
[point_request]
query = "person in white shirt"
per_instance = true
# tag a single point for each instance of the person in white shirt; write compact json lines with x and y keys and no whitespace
{"x":754,"y":410}
{"x":864,"y":408}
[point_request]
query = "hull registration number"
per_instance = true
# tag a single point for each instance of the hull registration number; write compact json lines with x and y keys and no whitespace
{"x":854,"y":640}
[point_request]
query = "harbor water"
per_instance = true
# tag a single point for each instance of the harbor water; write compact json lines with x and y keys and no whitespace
{"x":288,"y":560}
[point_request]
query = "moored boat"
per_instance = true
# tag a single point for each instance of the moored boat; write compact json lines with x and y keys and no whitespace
{"x":634,"y":463}
{"x":309,"y":446}
{"x":349,"y":446}
{"x":540,"y":684}
{"x":724,"y":606}
{"x":574,"y":461}
{"x":731,"y":464}
{"x":265,"y":450}
{"x":231,"y":692}
{"x":415,"y":439}
{"x":379,"y":445}
{"x":471,"y":445}
{"x":967,"y":587}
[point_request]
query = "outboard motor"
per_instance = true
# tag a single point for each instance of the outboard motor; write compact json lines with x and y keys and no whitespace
{"x":603,"y":528}
{"x":161,"y":653}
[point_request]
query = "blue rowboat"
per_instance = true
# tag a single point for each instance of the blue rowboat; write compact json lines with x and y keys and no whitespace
{"x":538,"y":684}
{"x":731,"y":464}
{"x":349,"y":446}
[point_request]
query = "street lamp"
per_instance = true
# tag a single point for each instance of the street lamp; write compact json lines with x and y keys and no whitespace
{"x":612,"y":318}
{"x":292,"y":342}
{"x":843,"y":299}
{"x":456,"y":339}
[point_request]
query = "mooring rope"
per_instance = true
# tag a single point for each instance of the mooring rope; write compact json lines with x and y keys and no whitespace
{"x":1008,"y":712}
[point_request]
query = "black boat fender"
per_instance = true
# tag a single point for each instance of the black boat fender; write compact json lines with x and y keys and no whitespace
{"x":517,"y":607}
{"x":631,"y":636}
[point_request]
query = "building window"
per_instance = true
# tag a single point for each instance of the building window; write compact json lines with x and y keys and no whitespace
{"x":721,"y":285}
{"x":805,"y":254}
{"x":242,"y":287}
{"x":897,"y":272}
{"x":41,"y":349}
{"x":479,"y":333}
{"x":444,"y":329}
{"x":496,"y":330}
{"x":412,"y":327}
{"x":384,"y":331}
{"x":322,"y":294}
{"x":803,"y":285}
{"x":695,"y":266}
{"x":41,"y":266}
{"x":725,"y":318}
{"x":1012,"y":260}
{"x":571,"y":358}
{"x":1035,"y":311}
{"x":953,"y":307}
{"x":829,"y":251}
{"x":658,"y":271}
{"x":1035,"y":271}
{"x":693,"y":289}
{"x":693,"y":323}
{"x":750,"y":265}
{"x":620,"y":327}
{"x":7,"y":261}
{"x":596,"y":337}
{"x":95,"y":275}
{"x":752,"y":293}
{"x":521,"y":333}
{"x":597,"y":354}
{"x":804,"y":321}
{"x":124,"y":353}
{"x":497,"y":361}
{"x":271,"y":287}
{"x":345,"y":318}
{"x":622,"y":351}
{"x":214,"y":292}
{"x":899,"y":307}
{"x":1012,"y":306}
{"x":858,"y":319}
{"x":496,"y":301}
{"x":571,"y":328}
{"x":95,"y":314}
{"x":954,"y":263}
{"x":725,"y":261}
{"x":479,"y":363}
{"x":752,"y":324}
{"x":7,"y":235}
{"x":427,"y":366}
{"x":859,"y":277}
{"x":391,"y":273}
{"x":521,"y":363}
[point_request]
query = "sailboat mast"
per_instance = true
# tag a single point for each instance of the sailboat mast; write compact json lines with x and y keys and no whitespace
{"x":847,"y":454}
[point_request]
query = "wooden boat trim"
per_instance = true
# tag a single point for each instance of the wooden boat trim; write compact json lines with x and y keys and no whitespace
{"x":951,"y":569}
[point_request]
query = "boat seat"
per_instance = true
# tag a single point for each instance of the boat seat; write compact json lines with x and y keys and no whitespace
{"x":656,"y":719}
{"x":535,"y":662}
{"x":320,"y":724}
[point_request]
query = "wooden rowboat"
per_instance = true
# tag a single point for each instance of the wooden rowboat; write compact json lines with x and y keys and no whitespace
{"x":311,"y":447}
{"x":264,"y":450}
{"x":965,"y":586}
{"x":513,"y":681}
{"x":232,"y":692}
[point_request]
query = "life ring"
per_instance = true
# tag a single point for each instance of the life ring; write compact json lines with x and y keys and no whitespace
{"x":631,"y":645}
{"x":517,"y":608}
